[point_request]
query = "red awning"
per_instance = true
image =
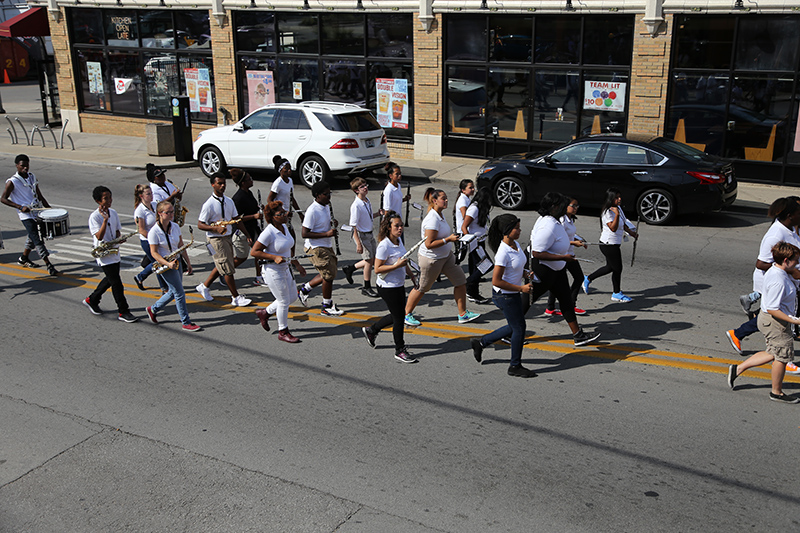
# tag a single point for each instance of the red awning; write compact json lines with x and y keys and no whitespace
{"x":30,"y":23}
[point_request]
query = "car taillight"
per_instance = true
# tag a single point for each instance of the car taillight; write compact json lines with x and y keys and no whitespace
{"x":707,"y":177}
{"x":345,"y":144}
{"x":383,"y":139}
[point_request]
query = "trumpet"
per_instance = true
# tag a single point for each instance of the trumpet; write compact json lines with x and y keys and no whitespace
{"x":160,"y":269}
{"x":108,"y":248}
{"x":226,"y":222}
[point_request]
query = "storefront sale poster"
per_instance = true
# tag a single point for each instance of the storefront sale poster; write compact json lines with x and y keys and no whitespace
{"x":260,"y":88}
{"x":392,"y":102}
{"x":198,"y":87}
{"x":94,"y":72}
{"x":604,"y":95}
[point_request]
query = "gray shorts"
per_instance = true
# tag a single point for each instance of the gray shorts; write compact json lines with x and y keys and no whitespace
{"x":369,"y":245}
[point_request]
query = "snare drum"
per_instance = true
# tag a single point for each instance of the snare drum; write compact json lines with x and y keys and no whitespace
{"x":53,"y":223}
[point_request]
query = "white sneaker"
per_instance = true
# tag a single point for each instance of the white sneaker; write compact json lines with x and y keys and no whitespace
{"x":204,"y":292}
{"x":240,"y":301}
{"x":332,"y":310}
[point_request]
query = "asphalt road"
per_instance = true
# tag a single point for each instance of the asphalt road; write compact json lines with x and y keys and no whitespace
{"x":116,"y":427}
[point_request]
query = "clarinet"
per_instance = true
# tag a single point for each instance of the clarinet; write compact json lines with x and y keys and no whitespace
{"x":408,"y":202}
{"x":260,"y":208}
{"x":335,"y":233}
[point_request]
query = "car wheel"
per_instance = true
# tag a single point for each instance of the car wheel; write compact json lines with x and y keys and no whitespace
{"x":312,"y":170}
{"x":211,"y":161}
{"x":509,"y":193}
{"x":656,"y":206}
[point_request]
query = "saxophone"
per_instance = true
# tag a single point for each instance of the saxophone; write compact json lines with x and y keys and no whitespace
{"x":160,"y":269}
{"x":226,"y":222}
{"x":108,"y":248}
{"x":180,"y":211}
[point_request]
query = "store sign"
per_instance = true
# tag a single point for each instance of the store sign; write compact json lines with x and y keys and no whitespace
{"x":392,"y":102}
{"x":260,"y":88}
{"x":122,"y":27}
{"x":94,"y":72}
{"x":198,"y":87}
{"x":604,"y":95}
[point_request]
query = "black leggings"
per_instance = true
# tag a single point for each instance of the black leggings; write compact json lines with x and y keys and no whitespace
{"x":556,"y":282}
{"x":574,"y":268}
{"x":395,"y":298}
{"x":613,"y":253}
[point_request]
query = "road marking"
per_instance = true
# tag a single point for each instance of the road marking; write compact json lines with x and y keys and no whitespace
{"x":615,"y":352}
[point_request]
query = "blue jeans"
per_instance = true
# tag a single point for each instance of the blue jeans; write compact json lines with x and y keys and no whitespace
{"x":146,"y":271}
{"x":511,"y":306}
{"x":174,"y":280}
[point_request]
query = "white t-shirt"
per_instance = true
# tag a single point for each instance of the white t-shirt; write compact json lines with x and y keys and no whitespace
{"x":149,"y":217}
{"x":212,"y":211}
{"x":613,"y":237}
{"x":361,"y":215}
{"x":24,"y":193}
{"x":393,"y":198}
{"x":276,"y":243}
{"x":776,"y":233}
{"x":162,"y":192}
{"x":283,"y":191}
{"x":166,"y":244}
{"x":437,"y":223}
{"x":548,"y":235}
{"x":569,"y":227}
{"x":463,"y":201}
{"x":114,"y":225}
{"x":474,"y":227}
{"x":318,"y":220}
{"x":780,"y":292}
{"x":390,"y":253}
{"x":514,"y":262}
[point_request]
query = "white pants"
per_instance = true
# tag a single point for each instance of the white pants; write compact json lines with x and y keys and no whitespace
{"x":283,"y":288}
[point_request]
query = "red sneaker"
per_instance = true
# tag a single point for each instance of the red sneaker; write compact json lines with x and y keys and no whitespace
{"x":285,"y":336}
{"x":151,"y":314}
{"x":579,"y":311}
{"x":191,"y":327}
{"x":552,"y":312}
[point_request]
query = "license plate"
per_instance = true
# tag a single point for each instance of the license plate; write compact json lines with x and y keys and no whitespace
{"x":369,"y":143}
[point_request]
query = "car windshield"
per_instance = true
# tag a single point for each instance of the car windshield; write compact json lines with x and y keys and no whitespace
{"x":681,"y":150}
{"x":350,"y":122}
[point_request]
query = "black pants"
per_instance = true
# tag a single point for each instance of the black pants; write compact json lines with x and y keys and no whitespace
{"x":613,"y":254}
{"x":474,"y":278}
{"x":556,"y":282}
{"x":574,"y":268}
{"x":112,"y":280}
{"x":395,"y":298}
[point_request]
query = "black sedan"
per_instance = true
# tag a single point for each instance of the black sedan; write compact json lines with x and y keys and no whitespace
{"x":664,"y":177}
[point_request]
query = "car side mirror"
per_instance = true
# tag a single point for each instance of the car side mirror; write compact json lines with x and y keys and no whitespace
{"x":239,"y":127}
{"x":549,"y":161}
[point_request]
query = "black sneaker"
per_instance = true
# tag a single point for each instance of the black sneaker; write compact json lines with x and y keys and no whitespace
{"x":783,"y":398}
{"x":128,"y":317}
{"x":507,"y":340}
{"x":582,"y":337}
{"x":138,"y":283}
{"x":52,"y":270}
{"x":732,"y":375}
{"x":477,"y":349}
{"x":369,"y":291}
{"x":26,"y":262}
{"x":348,"y":273}
{"x":369,"y":336}
{"x":520,"y":371}
{"x":94,"y":308}
{"x":478,"y":299}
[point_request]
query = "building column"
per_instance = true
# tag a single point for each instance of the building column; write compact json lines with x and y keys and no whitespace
{"x":224,"y":66}
{"x":428,"y":97}
{"x":650,"y":77}
{"x":67,"y":92}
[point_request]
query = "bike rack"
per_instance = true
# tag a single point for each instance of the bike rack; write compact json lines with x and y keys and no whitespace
{"x":47,"y":128}
{"x":66,"y":121}
{"x":14,"y":138}
{"x":23,"y":129}
{"x":36,"y":129}
{"x":69,"y":136}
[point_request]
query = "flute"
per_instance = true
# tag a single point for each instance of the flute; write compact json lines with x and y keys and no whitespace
{"x":335,"y":232}
{"x":406,"y":255}
{"x":408,"y":202}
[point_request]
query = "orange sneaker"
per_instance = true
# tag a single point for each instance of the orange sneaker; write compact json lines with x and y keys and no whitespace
{"x":735,"y":342}
{"x":791,"y":368}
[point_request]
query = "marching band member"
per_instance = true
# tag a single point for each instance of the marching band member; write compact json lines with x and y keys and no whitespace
{"x":436,"y":257}
{"x":105,"y":226}
{"x":164,"y":238}
{"x":508,"y":287}
{"x":573,"y":267}
{"x":282,"y":189}
{"x":162,"y":189}
{"x":319,"y":227}
{"x":219,"y":208}
{"x":389,"y":262}
{"x":392,"y":194}
{"x":361,"y":217}
{"x":247,"y":206}
{"x":22,"y":192}
{"x":145,"y":218}
{"x":466,"y":188}
{"x":275,"y":246}
{"x":476,"y":220}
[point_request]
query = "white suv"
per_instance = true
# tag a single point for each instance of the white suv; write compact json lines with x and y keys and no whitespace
{"x":320,"y":139}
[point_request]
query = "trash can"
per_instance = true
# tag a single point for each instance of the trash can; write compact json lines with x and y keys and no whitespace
{"x":160,"y":141}
{"x":182,"y":128}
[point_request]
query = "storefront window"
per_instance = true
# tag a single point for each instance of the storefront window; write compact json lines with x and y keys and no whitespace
{"x":91,"y":74}
{"x":305,"y":72}
{"x":343,"y":34}
{"x":607,"y":41}
{"x":466,"y":100}
{"x":758,"y":118}
{"x":390,"y":35}
{"x":255,"y":32}
{"x":87,"y":26}
{"x":344,"y":81}
{"x":252,"y":95}
{"x":156,"y":29}
{"x":510,"y":38}
{"x":556,"y":105}
{"x":466,"y":37}
{"x":508,"y":97}
{"x":192,"y":30}
{"x":767,"y":43}
{"x":703,"y":42}
{"x":121,"y":28}
{"x":124,"y":71}
{"x":607,"y":121}
{"x":558,"y":40}
{"x":298,"y":34}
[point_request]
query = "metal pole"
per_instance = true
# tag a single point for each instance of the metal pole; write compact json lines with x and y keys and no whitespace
{"x":14,"y":137}
{"x":64,"y":127}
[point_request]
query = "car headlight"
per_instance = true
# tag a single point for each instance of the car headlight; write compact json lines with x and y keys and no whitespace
{"x":484,"y":170}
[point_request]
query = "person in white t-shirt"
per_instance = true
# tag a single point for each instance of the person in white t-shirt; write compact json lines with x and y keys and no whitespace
{"x":614,"y":226}
{"x":144,"y":215}
{"x":392,"y":196}
{"x":162,"y":189}
{"x":466,"y":188}
{"x":573,"y":267}
{"x":282,"y":189}
{"x":361,"y":217}
{"x":778,"y":314}
{"x":476,"y":222}
{"x":436,"y":257}
{"x":105,"y":226}
{"x":275,"y":247}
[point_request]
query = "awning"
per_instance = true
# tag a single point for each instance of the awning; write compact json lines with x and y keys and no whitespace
{"x":30,"y":23}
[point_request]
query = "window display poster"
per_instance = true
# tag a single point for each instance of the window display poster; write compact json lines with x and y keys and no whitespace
{"x":95,"y":75}
{"x":198,"y":87}
{"x":260,"y":88}
{"x":392,"y":97}
{"x":121,"y":85}
{"x":604,"y":95}
{"x":297,"y":90}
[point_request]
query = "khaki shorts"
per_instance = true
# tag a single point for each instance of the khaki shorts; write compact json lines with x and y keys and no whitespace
{"x":240,"y":246}
{"x":369,"y":245}
{"x":223,"y":254}
{"x":324,"y":260}
{"x":778,"y":335}
{"x":431,"y":268}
